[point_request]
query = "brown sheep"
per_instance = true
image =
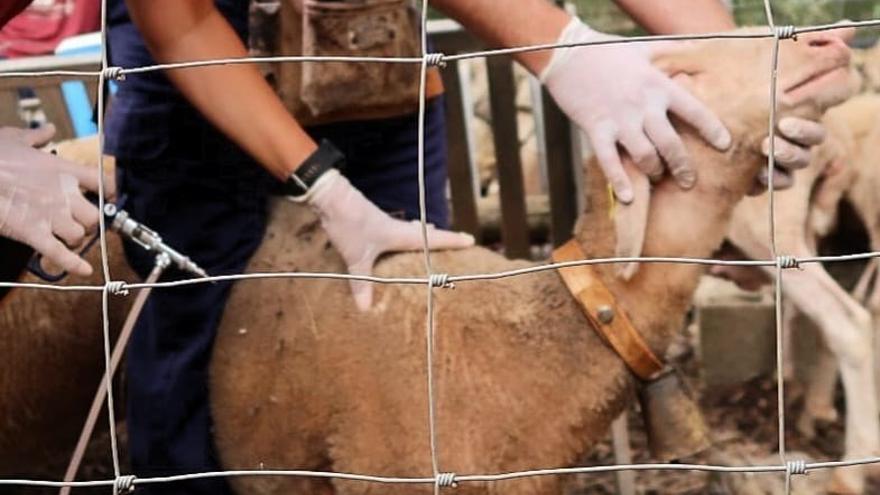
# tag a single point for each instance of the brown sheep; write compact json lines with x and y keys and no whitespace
{"x":302,"y":380}
{"x":53,"y":361}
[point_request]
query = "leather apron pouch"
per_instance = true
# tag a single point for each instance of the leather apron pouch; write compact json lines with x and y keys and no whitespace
{"x":358,"y":28}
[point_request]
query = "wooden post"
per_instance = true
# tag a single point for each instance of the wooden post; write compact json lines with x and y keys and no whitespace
{"x":464,"y":196}
{"x":626,"y":480}
{"x":560,"y":173}
{"x":502,"y":97}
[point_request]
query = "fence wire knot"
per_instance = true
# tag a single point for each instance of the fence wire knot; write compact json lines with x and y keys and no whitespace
{"x":117,"y":288}
{"x":788,"y":262}
{"x":441,"y":280}
{"x":124,"y":484}
{"x":786,"y":32}
{"x":114,"y":73}
{"x":436,"y":59}
{"x":446,"y":480}
{"x":796,"y":467}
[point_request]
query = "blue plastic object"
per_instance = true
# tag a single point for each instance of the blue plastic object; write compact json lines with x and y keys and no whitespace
{"x":76,"y":96}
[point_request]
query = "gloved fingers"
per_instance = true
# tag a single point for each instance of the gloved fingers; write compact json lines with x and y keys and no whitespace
{"x":39,"y":136}
{"x":802,"y":131}
{"x":698,"y":115}
{"x":447,"y":239}
{"x":642,"y":152}
{"x":63,"y":223}
{"x":787,"y":155}
{"x":86,"y":176}
{"x":30,"y":137}
{"x":671,"y":148}
{"x":84,"y":212}
{"x":362,"y":291}
{"x":605,"y":148}
{"x":57,"y":253}
{"x":407,"y":236}
{"x":756,"y":188}
{"x":65,"y":227}
{"x":782,"y":179}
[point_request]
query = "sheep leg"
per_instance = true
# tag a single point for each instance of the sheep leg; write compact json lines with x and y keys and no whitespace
{"x":860,"y":292}
{"x":846,"y":327}
{"x":821,"y":382}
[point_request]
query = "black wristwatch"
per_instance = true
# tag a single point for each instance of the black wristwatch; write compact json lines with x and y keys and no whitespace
{"x":303,"y":178}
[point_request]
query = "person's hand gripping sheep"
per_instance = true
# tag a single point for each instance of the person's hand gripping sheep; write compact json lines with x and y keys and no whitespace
{"x":361,"y":232}
{"x":618,"y":97}
{"x":41,"y":203}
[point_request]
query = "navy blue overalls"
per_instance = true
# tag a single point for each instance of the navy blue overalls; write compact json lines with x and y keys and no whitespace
{"x":208,"y":199}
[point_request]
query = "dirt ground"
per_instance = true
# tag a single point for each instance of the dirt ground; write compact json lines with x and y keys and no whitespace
{"x":742,"y":421}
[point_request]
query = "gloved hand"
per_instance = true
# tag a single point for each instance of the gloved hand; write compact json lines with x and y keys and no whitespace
{"x":616,"y":96}
{"x":361,"y":232}
{"x":795,"y":136}
{"x":40,"y":198}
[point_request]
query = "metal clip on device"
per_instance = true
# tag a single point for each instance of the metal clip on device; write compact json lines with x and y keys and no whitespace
{"x":120,"y":221}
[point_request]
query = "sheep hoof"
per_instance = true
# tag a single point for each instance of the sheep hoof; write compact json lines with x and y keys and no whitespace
{"x":806,"y":426}
{"x":847,"y":481}
{"x":825,"y":415}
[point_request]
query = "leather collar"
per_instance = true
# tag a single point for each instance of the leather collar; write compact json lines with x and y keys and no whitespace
{"x":605,"y":316}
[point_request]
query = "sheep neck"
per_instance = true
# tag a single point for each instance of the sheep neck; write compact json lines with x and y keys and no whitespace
{"x":687,"y":224}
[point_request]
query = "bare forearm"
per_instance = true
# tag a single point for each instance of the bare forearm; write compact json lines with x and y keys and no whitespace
{"x":510,"y":24}
{"x":235,"y":98}
{"x":679,"y":16}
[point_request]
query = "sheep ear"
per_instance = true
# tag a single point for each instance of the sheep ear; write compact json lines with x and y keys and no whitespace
{"x":631,"y":221}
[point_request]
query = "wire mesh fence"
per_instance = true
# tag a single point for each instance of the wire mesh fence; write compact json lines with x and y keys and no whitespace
{"x":440,"y":479}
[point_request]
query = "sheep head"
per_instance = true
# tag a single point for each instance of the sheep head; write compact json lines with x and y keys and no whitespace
{"x":733,"y":77}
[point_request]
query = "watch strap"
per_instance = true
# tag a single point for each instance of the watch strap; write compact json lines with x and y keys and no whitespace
{"x":326,"y":157}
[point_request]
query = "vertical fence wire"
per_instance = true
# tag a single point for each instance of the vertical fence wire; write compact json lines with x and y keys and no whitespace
{"x":105,"y":262}
{"x":774,"y":248}
{"x":777,"y":282}
{"x":423,"y":224}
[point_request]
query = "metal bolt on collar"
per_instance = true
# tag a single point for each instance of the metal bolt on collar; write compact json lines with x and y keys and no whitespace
{"x":605,"y":314}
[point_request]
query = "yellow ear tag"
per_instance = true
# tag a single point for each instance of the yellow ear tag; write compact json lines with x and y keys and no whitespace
{"x":612,"y":202}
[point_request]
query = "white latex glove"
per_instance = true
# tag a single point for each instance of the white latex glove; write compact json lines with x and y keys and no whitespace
{"x":40,"y":198}
{"x":361,"y":232}
{"x":617,"y":97}
{"x":794,"y":141}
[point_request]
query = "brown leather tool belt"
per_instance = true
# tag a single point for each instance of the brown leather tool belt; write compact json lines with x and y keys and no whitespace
{"x":326,"y":92}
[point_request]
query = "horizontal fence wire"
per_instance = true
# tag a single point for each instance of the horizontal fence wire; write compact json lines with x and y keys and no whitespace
{"x":459,"y":478}
{"x":437,"y":280}
{"x":120,"y":72}
{"x":787,"y":262}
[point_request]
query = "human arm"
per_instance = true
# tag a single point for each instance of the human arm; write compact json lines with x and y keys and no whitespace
{"x":679,"y":16}
{"x":235,"y":98}
{"x":238,"y":101}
